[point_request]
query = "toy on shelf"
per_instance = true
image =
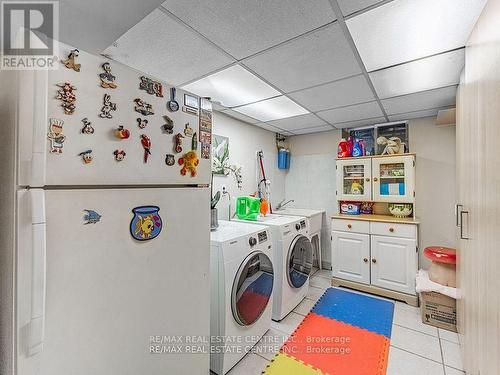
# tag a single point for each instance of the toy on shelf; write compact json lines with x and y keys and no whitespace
{"x":393,"y":145}
{"x":367,"y":208}
{"x":356,"y":188}
{"x":343,"y":149}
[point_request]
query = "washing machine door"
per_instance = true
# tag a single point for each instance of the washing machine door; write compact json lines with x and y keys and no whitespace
{"x":299,"y":261}
{"x":252,"y":288}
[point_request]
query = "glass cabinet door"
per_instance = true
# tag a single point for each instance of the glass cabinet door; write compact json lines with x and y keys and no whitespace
{"x":393,"y":179}
{"x":354,"y":180}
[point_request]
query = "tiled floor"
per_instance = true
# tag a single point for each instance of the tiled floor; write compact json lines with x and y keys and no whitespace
{"x":416,"y":348}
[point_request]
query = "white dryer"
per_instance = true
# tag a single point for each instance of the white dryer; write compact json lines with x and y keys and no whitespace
{"x":292,"y":258}
{"x":241,"y":287}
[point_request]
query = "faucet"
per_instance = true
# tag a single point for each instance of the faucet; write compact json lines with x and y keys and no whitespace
{"x":282,"y":204}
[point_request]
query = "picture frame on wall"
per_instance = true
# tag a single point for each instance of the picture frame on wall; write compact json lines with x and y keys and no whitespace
{"x":220,"y":155}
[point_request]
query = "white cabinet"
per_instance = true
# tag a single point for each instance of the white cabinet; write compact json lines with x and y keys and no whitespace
{"x":394,"y":263}
{"x":378,"y":255}
{"x":354,"y":179}
{"x":351,"y":252}
{"x":394,"y":179}
{"x":377,"y":178}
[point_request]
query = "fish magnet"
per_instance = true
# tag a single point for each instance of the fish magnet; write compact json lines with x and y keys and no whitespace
{"x":91,"y":217}
{"x":146,"y":223}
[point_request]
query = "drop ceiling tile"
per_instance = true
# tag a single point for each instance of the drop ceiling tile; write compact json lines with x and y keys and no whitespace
{"x":348,"y":91}
{"x":298,"y":122}
{"x":351,"y":113}
{"x":232,"y":87}
{"x":272,"y":109}
{"x":420,"y":75}
{"x":416,"y":114}
{"x":351,"y":6}
{"x":442,"y":97}
{"x":317,"y":129}
{"x":150,"y":48}
{"x":365,"y":122}
{"x":316,"y":58}
{"x":240,"y":116}
{"x":242,"y":28}
{"x":400,"y":31}
{"x":271,"y":128}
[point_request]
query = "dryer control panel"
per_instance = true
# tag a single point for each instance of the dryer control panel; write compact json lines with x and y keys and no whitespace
{"x":262,"y":236}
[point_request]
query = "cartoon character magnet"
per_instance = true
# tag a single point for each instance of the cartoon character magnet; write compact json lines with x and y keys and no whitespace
{"x":121,"y":132}
{"x":56,"y":136}
{"x":151,"y":87}
{"x":70,"y":62}
{"x":86,"y":156}
{"x":107,"y":79}
{"x":146,"y":223}
{"x":87,"y":126}
{"x":178,"y":143}
{"x":143,"y":108}
{"x":66,"y":94}
{"x":141,"y":122}
{"x":168,"y":127}
{"x":91,"y":217}
{"x":189,"y":162}
{"x":169,"y":159}
{"x":119,"y":155}
{"x":107,"y":107}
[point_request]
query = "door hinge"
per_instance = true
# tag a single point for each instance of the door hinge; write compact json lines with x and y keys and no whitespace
{"x":413,"y":162}
{"x":413,"y":193}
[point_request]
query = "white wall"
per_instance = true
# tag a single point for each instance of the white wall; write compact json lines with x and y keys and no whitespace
{"x":244,"y":142}
{"x":311,"y":181}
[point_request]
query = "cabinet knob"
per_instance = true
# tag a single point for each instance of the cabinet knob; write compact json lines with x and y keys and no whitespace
{"x":375,"y":179}
{"x":365,"y":260}
{"x":367,"y":179}
{"x":391,"y":230}
{"x":374,"y":260}
{"x":349,"y":226}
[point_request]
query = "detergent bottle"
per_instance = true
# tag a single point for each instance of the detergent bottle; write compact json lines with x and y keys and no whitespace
{"x":247,"y":208}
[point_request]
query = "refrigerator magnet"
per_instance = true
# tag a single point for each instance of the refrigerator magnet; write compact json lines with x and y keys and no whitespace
{"x":122,"y":133}
{"x":141,"y":123}
{"x":194,"y":142}
{"x":188,"y":130}
{"x":87,"y":126}
{"x":172,"y":104}
{"x":91,"y":217}
{"x":178,"y":143}
{"x":146,"y":223}
{"x":169,"y":159}
{"x":168,"y":127}
{"x":70,"y":62}
{"x":143,"y":108}
{"x":66,"y":94}
{"x":189,"y":162}
{"x":151,"y":87}
{"x":107,"y":78}
{"x":205,"y":150}
{"x":86,"y":156}
{"x":107,"y":107}
{"x":119,"y":155}
{"x":56,"y":136}
{"x":146,"y":144}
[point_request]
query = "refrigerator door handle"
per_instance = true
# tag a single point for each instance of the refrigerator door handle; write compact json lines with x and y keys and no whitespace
{"x":38,"y":274}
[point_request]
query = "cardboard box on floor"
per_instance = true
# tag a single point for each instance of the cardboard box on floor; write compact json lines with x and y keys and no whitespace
{"x":439,"y":310}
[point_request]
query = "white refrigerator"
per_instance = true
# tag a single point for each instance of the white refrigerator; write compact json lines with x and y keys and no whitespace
{"x":110,"y":258}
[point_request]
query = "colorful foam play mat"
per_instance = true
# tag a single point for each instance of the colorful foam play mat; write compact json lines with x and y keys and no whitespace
{"x":345,"y":333}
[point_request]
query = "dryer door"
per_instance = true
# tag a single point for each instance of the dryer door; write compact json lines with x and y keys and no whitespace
{"x":299,"y":261}
{"x":252,"y":288}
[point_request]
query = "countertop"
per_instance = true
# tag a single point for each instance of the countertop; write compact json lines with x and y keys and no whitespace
{"x":380,"y":218}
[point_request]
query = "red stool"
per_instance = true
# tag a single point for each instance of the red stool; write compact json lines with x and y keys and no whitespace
{"x":443,"y":267}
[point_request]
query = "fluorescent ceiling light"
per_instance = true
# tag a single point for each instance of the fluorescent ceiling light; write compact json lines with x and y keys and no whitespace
{"x":420,"y":75}
{"x":232,"y":87}
{"x":272,"y":109}
{"x":400,"y":31}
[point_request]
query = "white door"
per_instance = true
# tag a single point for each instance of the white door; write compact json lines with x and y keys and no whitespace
{"x":354,"y":179}
{"x":39,"y":166}
{"x":351,"y":256}
{"x":394,"y":179}
{"x":108,"y":293}
{"x":394,"y":263}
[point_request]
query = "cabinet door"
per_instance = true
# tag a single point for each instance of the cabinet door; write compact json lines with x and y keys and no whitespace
{"x":394,"y":179}
{"x":354,"y":180}
{"x":394,"y":263}
{"x":351,"y":256}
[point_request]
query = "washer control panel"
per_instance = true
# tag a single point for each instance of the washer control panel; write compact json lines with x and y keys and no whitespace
{"x":262,"y":236}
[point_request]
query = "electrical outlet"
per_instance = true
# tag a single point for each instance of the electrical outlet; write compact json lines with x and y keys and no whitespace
{"x":223,"y":187}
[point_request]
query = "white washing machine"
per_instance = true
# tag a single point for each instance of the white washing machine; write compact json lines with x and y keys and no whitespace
{"x":292,"y":258}
{"x":241,"y":287}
